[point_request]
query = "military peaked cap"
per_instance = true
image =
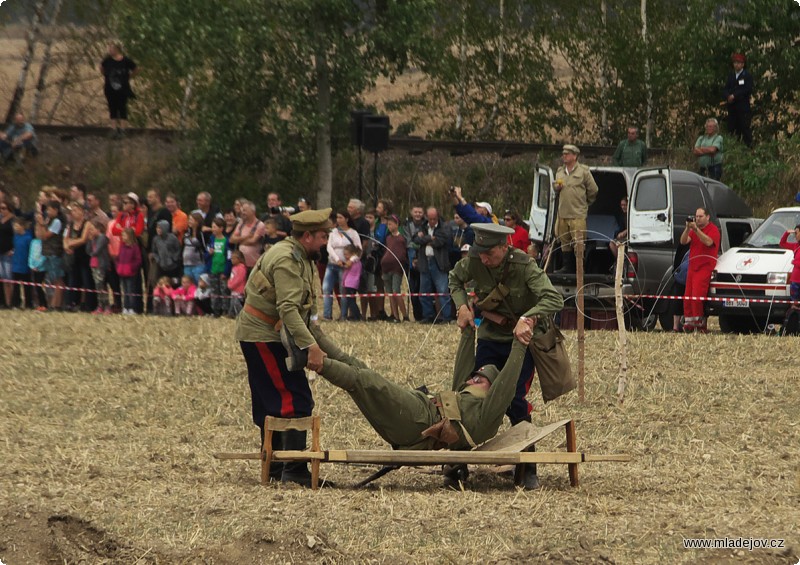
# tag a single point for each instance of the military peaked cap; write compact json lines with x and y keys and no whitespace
{"x":488,"y":236}
{"x":312,"y":220}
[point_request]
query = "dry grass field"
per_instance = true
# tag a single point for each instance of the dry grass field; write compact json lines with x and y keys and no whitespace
{"x":108,"y":426}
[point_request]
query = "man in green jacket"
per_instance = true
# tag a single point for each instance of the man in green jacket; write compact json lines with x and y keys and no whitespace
{"x":413,"y":419}
{"x":513,"y":298}
{"x":280,"y":295}
{"x":631,"y":152}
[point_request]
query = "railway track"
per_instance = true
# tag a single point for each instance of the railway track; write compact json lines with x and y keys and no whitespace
{"x":412,"y":145}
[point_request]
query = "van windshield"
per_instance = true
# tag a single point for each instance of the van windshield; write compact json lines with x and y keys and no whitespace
{"x":769,"y":233}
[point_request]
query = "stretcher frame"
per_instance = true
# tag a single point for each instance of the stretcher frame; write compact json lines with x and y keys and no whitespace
{"x":514,"y":446}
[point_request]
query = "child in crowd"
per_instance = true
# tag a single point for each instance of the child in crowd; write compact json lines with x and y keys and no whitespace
{"x":194,"y":248}
{"x":351,"y":279}
{"x":113,"y":251}
{"x":50,"y":230}
{"x":129,"y":261}
{"x":271,"y":236}
{"x":219,"y":267}
{"x":534,"y":251}
{"x":392,"y":268}
{"x":202,"y":296}
{"x":99,"y":262}
{"x":20,"y":271}
{"x":162,"y":297}
{"x":36,"y":265}
{"x":183,"y":296}
{"x":236,"y":283}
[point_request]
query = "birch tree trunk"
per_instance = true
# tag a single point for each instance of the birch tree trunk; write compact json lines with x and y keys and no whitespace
{"x":604,"y":72}
{"x":499,"y":84}
{"x":41,"y":84}
{"x":187,"y":96}
{"x":324,"y":163}
{"x":62,"y":86}
{"x":33,"y":34}
{"x":647,"y":84}
{"x":462,"y":56}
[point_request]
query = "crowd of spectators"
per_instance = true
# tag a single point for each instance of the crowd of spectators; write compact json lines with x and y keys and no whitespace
{"x":131,"y":254}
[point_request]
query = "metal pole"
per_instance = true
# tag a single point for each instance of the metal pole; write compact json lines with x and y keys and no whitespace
{"x":375,"y":180}
{"x":580,"y":317}
{"x":360,"y":176}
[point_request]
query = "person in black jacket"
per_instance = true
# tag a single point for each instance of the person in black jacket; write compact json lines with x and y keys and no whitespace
{"x":117,"y":70}
{"x":433,"y":262}
{"x":738,"y":89}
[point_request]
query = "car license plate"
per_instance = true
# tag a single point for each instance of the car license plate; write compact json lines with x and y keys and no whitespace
{"x":736,"y":303}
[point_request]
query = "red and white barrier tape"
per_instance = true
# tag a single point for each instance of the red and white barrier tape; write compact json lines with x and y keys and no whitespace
{"x":750,"y":300}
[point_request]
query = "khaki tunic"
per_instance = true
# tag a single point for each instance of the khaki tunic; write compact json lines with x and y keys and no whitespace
{"x":400,"y":415}
{"x":282,"y":286}
{"x":531,"y":293}
{"x":578,"y":193}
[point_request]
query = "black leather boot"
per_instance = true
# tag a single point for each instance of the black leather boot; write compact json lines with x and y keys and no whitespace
{"x":295,"y":471}
{"x":297,"y":358}
{"x":455,"y":475}
{"x":568,"y":264}
{"x":525,"y":475}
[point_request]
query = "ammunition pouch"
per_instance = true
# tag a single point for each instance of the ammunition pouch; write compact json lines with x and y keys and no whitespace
{"x":495,"y":298}
{"x":444,"y":432}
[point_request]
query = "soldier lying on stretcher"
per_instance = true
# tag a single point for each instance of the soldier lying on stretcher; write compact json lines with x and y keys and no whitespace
{"x":468,"y":415}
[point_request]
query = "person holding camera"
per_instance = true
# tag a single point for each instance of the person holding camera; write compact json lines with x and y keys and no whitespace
{"x":703,"y":239}
{"x":277,"y":211}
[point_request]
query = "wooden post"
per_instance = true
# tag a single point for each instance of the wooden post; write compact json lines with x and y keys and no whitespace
{"x":623,"y":335}
{"x":572,"y":446}
{"x":580,"y":313}
{"x":315,"y":448}
{"x":266,"y":452}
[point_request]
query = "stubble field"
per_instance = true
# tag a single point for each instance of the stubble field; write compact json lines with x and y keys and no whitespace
{"x":108,"y":428}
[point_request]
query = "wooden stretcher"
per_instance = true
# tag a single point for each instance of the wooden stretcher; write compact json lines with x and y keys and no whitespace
{"x":511,"y":447}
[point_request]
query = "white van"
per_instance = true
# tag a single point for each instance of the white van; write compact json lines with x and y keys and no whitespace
{"x":750,"y":279}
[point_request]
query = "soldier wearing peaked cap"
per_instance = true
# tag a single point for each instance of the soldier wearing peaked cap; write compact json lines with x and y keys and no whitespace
{"x":281,"y":294}
{"x":576,"y":190}
{"x":510,"y":289}
{"x":469,"y":414}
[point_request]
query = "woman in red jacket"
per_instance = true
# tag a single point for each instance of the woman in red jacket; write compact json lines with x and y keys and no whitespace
{"x":130,"y":217}
{"x":519,"y":238}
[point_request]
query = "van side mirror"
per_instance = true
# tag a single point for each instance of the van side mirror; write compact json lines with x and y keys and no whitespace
{"x":662,"y":217}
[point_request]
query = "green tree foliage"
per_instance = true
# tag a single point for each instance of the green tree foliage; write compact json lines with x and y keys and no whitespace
{"x":270,"y":82}
{"x":768,"y":33}
{"x":490,"y":70}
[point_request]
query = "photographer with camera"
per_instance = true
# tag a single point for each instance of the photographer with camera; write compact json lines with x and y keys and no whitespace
{"x":703,"y":239}
{"x":480,"y":213}
{"x":280,"y":213}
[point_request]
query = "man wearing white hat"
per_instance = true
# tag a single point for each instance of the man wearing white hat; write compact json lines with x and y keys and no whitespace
{"x":480,"y":213}
{"x":577,"y":190}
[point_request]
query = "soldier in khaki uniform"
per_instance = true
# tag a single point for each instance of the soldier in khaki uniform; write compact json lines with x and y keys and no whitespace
{"x":413,"y":419}
{"x":510,"y":290}
{"x":577,"y":190}
{"x":280,"y":291}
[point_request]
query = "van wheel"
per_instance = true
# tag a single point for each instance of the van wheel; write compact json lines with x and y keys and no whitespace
{"x":739,"y":324}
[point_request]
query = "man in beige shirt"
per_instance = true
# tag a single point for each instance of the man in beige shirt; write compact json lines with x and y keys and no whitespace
{"x":577,"y":190}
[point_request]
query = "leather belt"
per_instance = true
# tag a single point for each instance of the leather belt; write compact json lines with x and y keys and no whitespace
{"x":253,"y":311}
